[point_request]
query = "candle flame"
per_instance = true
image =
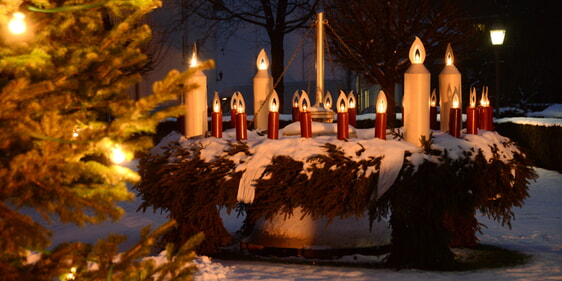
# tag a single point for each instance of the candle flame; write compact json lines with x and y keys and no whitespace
{"x":381,"y":102}
{"x":216,"y":103}
{"x":241,"y":103}
{"x":417,"y":52}
{"x":328,"y":100}
{"x":433,"y":100}
{"x":274,"y":102}
{"x":304,"y":101}
{"x":449,"y":57}
{"x":455,"y":99}
{"x":17,"y":24}
{"x":234,"y":100}
{"x":342,"y":102}
{"x":296,"y":98}
{"x":472,"y":97}
{"x":351,"y":100}
{"x":262,"y":62}
{"x":484,"y":101}
{"x":194,"y":62}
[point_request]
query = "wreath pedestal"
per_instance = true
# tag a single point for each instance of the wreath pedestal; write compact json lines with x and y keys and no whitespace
{"x":300,"y":231}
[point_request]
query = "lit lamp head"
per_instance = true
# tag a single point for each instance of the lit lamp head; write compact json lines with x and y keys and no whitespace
{"x":328,"y":100}
{"x":262,"y":62}
{"x":497,"y":35}
{"x":484,"y":101}
{"x":296,"y":98}
{"x":216,"y":103}
{"x":381,"y":102}
{"x":341,"y":103}
{"x":433,"y":99}
{"x":194,"y":62}
{"x":449,"y":56}
{"x":417,"y":52}
{"x":472,"y":97}
{"x":351,"y":100}
{"x":17,"y":24}
{"x":304,"y":102}
{"x":274,"y":102}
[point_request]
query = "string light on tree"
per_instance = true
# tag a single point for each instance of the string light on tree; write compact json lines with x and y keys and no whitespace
{"x":117,"y":155}
{"x":17,"y":24}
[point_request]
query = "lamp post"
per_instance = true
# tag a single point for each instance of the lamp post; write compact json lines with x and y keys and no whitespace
{"x":497,"y":35}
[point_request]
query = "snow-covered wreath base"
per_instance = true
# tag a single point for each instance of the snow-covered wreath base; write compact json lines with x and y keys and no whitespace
{"x":302,"y":192}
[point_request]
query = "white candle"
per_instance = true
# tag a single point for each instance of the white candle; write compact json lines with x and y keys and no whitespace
{"x":196,"y":102}
{"x":416,"y":96}
{"x":263,"y":86}
{"x":450,"y":77}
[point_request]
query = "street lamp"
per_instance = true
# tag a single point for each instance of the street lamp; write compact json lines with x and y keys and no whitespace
{"x":497,"y":35}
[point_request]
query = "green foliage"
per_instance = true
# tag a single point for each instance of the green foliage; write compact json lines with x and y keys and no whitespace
{"x":64,"y":106}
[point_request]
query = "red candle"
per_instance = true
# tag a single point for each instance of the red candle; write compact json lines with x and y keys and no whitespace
{"x":233,"y":118}
{"x":486,"y":115}
{"x":380,"y":126}
{"x":455,"y":117}
{"x":352,"y":116}
{"x":455,"y":122}
{"x":433,"y":111}
{"x":472,"y":120}
{"x":343,"y":125}
{"x":241,"y":126}
{"x":306,"y":124}
{"x":216,"y":124}
{"x":433,"y":118}
{"x":273,"y":125}
{"x":380,"y":121}
{"x":295,"y":113}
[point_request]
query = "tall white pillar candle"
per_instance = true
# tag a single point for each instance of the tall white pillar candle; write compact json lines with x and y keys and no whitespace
{"x":196,"y":102}
{"x":263,"y":86}
{"x":449,"y":78}
{"x":416,"y":96}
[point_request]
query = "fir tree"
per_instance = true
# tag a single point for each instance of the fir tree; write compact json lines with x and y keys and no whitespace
{"x":64,"y":109}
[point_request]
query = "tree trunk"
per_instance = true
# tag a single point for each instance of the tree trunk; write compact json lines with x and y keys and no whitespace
{"x":277,"y":64}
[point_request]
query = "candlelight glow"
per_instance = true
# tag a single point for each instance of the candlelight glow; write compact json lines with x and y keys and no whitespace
{"x":117,"y":155}
{"x":193,"y":61}
{"x":342,"y":102}
{"x":351,"y":100}
{"x":328,"y":100}
{"x":262,"y":62}
{"x":274,"y":102}
{"x":433,"y":100}
{"x":17,"y":24}
{"x":449,"y":57}
{"x":304,"y":101}
{"x":417,"y":52}
{"x":472,"y":97}
{"x":455,"y":99}
{"x":484,"y":101}
{"x":381,"y":102}
{"x":216,"y":103}
{"x":296,"y":98}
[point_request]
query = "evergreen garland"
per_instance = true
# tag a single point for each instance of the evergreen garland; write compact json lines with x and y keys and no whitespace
{"x":431,"y":206}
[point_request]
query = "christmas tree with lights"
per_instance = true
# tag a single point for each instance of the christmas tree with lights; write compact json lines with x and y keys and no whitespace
{"x":67,"y":120}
